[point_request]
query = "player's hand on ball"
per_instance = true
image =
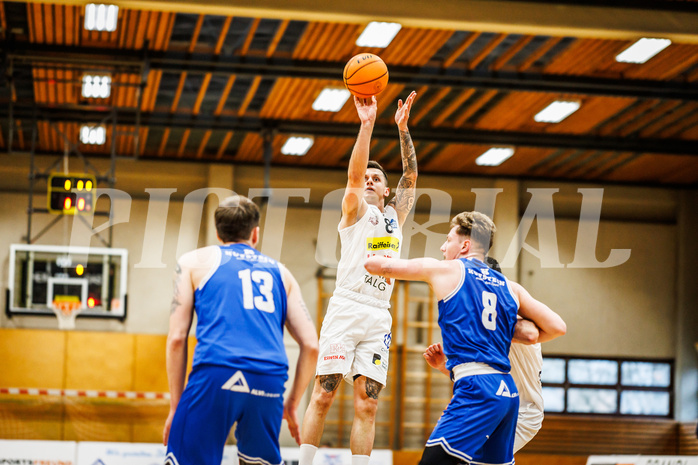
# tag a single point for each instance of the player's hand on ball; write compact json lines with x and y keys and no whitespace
{"x":403,"y":111}
{"x":367,"y":108}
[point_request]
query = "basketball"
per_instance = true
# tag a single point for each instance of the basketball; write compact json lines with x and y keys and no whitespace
{"x":365,"y":75}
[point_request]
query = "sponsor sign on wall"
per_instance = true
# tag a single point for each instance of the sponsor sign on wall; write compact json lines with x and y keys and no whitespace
{"x":642,"y":460}
{"x":120,"y":453}
{"x":37,"y":452}
{"x":326,"y":456}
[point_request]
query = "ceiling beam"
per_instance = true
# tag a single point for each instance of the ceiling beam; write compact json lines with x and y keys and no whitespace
{"x":82,"y":114}
{"x":178,"y":62}
{"x":603,"y":19}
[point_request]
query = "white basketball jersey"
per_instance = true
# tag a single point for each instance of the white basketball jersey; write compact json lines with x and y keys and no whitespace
{"x":526,"y":367}
{"x":375,"y":233}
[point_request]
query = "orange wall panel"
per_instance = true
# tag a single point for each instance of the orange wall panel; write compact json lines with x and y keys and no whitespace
{"x":32,"y":358}
{"x":100,"y":361}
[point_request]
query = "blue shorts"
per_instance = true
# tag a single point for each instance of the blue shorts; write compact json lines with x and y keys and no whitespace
{"x":214,"y":399}
{"x":479,"y":423}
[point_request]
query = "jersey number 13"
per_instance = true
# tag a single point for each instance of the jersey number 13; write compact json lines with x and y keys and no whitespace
{"x":264,"y":302}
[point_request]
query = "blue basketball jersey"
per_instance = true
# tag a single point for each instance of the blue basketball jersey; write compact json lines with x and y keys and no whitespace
{"x":241,"y":312}
{"x":477,"y":319}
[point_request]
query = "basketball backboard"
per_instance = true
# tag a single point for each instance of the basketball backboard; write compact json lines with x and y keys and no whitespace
{"x":42,"y":276}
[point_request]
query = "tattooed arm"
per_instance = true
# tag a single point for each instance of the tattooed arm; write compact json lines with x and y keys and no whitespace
{"x":181,"y":313}
{"x":405,"y":193}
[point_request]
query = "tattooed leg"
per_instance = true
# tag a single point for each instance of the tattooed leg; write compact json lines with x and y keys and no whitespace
{"x":330,"y":382}
{"x":363,"y":429}
{"x":373,"y":388}
{"x":324,"y":390}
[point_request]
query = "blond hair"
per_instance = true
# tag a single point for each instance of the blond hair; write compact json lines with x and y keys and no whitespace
{"x":477,"y":226}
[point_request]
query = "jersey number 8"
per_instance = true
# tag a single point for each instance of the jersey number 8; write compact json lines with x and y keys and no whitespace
{"x":264,"y":302}
{"x":489,"y":313}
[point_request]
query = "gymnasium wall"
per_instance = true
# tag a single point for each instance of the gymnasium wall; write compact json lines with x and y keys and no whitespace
{"x":624,"y":310}
{"x":611,"y":302}
{"x":83,"y":361}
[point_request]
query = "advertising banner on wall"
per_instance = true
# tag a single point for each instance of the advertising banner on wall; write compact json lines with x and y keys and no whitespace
{"x":642,"y":460}
{"x":37,"y":452}
{"x":117,"y":453}
{"x":327,"y":456}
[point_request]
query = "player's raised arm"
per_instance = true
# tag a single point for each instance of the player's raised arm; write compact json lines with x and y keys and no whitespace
{"x":353,"y":204}
{"x":549,"y":323}
{"x":405,"y":192}
{"x":300,"y":326}
{"x":181,"y":314}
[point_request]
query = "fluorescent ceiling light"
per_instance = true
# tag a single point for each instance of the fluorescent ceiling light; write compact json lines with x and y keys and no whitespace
{"x":101,"y":17}
{"x":556,"y":111}
{"x":378,"y":34}
{"x":331,"y":99}
{"x":642,"y":50}
{"x":93,"y":135}
{"x":494,"y":156}
{"x":96,"y":86}
{"x":297,"y":145}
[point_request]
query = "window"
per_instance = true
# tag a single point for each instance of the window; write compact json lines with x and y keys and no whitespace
{"x":608,"y":386}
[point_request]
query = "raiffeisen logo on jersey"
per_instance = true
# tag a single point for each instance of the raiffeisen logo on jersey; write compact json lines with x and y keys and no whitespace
{"x":383,"y":243}
{"x":486,"y":278}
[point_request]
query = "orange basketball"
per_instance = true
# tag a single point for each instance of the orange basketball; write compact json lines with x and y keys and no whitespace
{"x":365,"y":75}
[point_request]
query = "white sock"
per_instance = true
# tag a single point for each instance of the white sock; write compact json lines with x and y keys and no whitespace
{"x":307,"y":454}
{"x":359,"y":459}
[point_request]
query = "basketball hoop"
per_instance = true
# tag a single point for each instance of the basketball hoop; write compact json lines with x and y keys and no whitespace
{"x":66,"y":311}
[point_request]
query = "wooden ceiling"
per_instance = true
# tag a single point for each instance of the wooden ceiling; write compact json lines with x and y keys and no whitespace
{"x":207,"y":87}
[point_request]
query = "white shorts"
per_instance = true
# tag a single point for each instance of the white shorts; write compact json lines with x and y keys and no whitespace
{"x":354,"y":340}
{"x":528,"y":423}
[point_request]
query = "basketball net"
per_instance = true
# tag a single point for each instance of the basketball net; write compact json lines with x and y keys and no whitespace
{"x":66,"y":311}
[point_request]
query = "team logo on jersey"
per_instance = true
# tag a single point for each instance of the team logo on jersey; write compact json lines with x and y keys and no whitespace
{"x":387,"y":339}
{"x":377,"y":360}
{"x":373,"y":219}
{"x":338,"y":349}
{"x":484,"y":276}
{"x":383,"y":243}
{"x":237,"y":383}
{"x":504,"y":390}
{"x":390,"y":225}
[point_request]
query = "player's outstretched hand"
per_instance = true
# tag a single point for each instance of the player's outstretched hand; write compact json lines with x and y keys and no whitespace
{"x":367,"y":108}
{"x":435,"y":357}
{"x":291,"y":417}
{"x":166,"y":430}
{"x":403,"y":111}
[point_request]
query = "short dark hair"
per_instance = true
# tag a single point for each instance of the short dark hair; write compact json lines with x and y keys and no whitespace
{"x":477,"y":226}
{"x":493,"y":263}
{"x":236,"y":217}
{"x":376,"y":165}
